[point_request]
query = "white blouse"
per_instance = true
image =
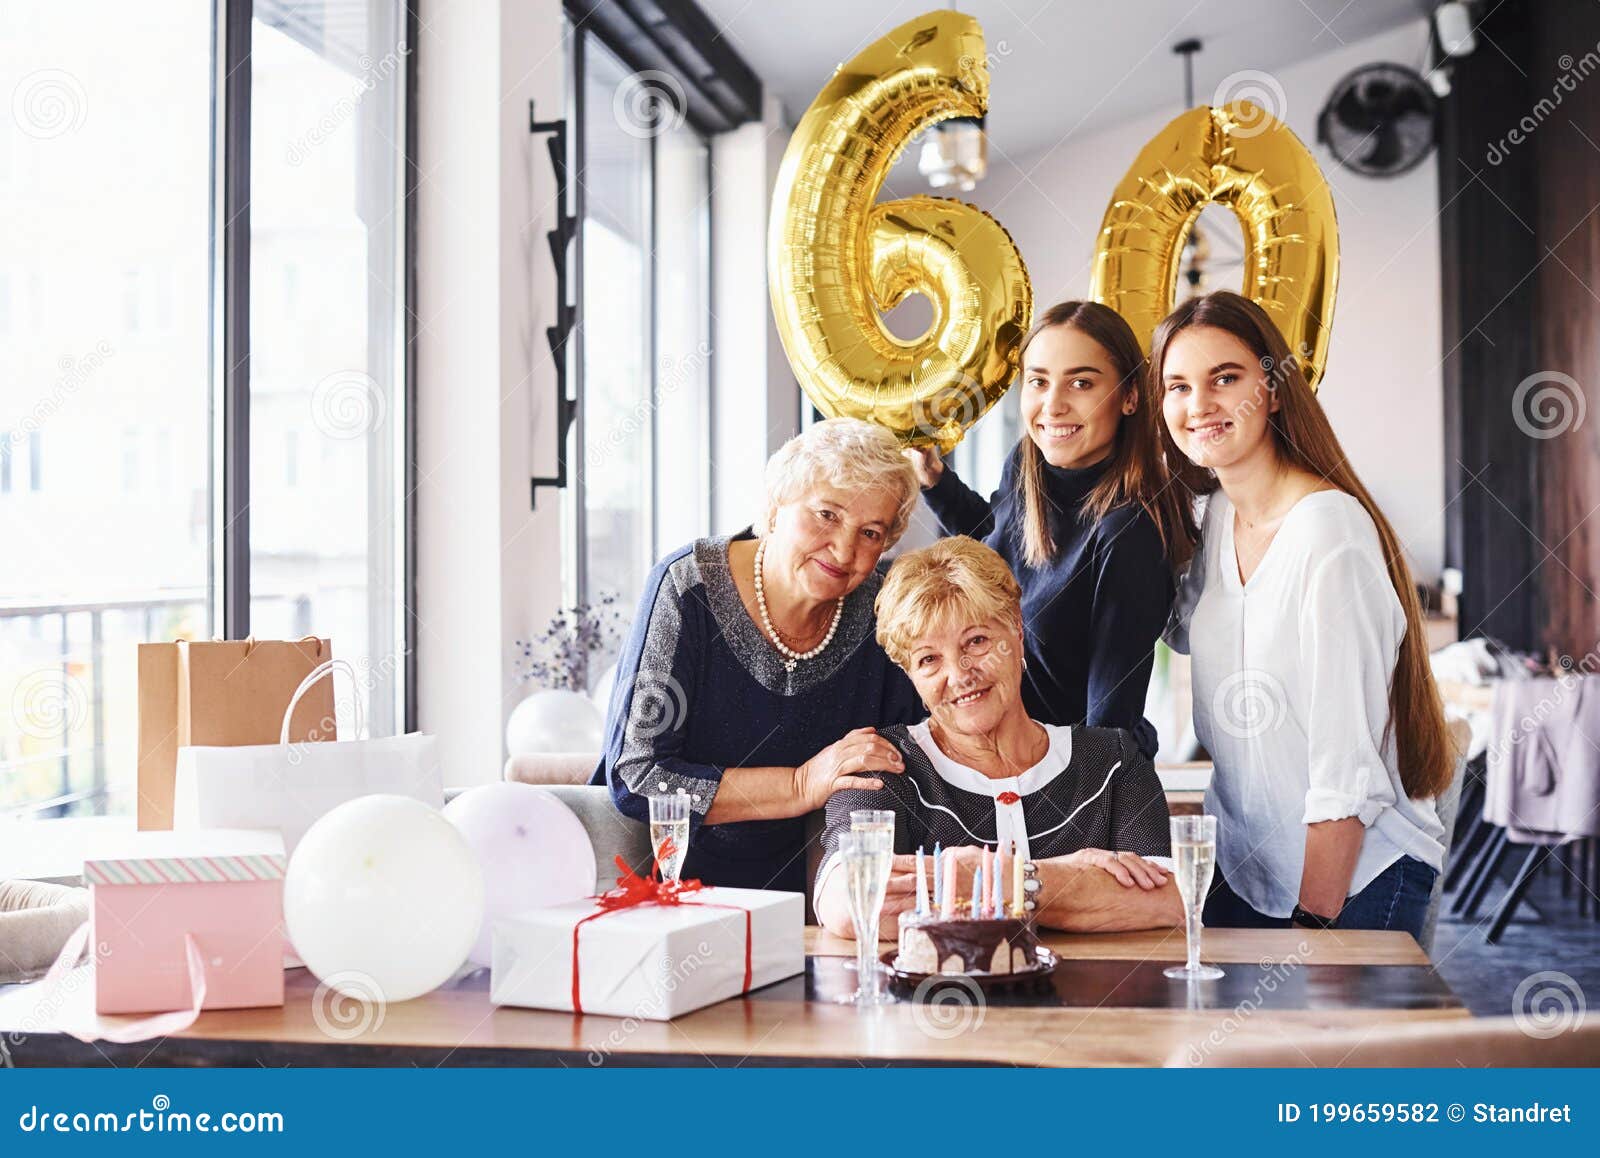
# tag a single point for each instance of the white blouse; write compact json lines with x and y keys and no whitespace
{"x":1291,"y":679}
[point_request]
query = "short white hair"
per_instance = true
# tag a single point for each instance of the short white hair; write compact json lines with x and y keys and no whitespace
{"x":849,"y":455}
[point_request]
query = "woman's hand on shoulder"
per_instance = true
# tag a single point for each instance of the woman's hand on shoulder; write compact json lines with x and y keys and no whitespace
{"x":1129,"y":868}
{"x":926,"y":462}
{"x":835,"y":768}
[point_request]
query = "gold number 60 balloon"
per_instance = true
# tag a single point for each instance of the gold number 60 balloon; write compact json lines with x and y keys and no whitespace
{"x":1241,"y":157}
{"x":836,"y":258}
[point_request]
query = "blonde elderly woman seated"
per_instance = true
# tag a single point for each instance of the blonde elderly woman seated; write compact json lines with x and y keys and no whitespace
{"x":753,"y":680}
{"x":1083,"y":804}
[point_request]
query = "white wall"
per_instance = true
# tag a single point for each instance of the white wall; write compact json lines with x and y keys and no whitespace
{"x":755,"y":403}
{"x":1383,"y":389}
{"x":488,"y":568}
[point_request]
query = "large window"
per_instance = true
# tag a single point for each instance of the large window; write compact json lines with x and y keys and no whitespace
{"x":114,"y":359}
{"x":326,"y":408}
{"x":644,"y":192}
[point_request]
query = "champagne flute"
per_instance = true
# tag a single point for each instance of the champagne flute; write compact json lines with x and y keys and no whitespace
{"x":871,"y":820}
{"x":1194,"y":857}
{"x":669,"y":833}
{"x":867,"y":858}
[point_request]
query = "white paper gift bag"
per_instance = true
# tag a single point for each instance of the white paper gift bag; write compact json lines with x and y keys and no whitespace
{"x":288,"y":786}
{"x":650,"y":961}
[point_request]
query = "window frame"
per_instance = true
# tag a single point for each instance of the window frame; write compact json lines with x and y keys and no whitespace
{"x":230,"y":337}
{"x":576,"y":581}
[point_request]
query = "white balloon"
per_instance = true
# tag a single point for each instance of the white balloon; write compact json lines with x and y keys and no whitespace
{"x":533,"y":852}
{"x":555,"y":720}
{"x":383,"y":899}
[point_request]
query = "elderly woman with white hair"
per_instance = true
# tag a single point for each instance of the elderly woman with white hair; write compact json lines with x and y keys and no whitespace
{"x":753,"y":681}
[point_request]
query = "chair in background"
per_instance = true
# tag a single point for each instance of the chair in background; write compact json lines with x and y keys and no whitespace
{"x":1580,"y":866}
{"x":1540,"y":793}
{"x":1447,"y":804}
{"x":1471,"y":828}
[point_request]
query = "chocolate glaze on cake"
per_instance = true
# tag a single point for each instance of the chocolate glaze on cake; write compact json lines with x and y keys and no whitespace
{"x":985,"y":945}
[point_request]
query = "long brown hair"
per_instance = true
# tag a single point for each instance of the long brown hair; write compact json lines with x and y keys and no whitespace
{"x":1304,"y":438}
{"x":1134,"y":472}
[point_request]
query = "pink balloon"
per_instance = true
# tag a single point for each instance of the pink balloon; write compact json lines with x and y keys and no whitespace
{"x":532,"y":849}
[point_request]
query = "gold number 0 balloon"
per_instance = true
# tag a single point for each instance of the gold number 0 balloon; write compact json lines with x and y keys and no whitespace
{"x":836,"y":258}
{"x":1240,"y":157}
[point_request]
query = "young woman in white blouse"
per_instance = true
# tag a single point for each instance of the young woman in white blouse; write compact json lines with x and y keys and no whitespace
{"x":1312,"y":690}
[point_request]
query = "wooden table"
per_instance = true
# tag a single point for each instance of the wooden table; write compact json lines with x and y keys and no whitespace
{"x":1107,"y":1005}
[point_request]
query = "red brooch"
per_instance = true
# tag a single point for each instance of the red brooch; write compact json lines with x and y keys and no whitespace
{"x":1008,"y":798}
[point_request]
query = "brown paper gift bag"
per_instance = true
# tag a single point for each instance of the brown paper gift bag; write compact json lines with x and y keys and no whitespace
{"x":221,"y":692}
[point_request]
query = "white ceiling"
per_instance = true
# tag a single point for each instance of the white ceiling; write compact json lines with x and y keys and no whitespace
{"x":1059,"y":67}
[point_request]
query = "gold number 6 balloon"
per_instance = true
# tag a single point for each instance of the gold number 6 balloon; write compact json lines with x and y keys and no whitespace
{"x":836,"y":258}
{"x":1241,"y":157}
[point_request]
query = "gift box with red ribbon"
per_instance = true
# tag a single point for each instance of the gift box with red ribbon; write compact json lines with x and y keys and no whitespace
{"x":648,"y":949}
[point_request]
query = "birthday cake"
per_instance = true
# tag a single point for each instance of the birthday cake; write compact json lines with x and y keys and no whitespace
{"x":967,"y":945}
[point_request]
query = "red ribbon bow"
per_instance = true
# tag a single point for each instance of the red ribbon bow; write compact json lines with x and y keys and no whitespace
{"x":633,"y":890}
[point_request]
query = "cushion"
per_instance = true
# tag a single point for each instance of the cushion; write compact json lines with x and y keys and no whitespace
{"x":35,"y":921}
{"x":552,"y":768}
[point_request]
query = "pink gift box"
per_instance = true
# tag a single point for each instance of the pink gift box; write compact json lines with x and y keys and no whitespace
{"x":144,"y":908}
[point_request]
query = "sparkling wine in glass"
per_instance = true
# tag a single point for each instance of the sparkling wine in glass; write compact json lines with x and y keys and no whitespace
{"x":669,"y":832}
{"x":867,"y":858}
{"x":1194,"y":857}
{"x":873,"y":820}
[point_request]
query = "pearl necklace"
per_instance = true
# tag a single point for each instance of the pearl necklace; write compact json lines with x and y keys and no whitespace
{"x":790,"y":656}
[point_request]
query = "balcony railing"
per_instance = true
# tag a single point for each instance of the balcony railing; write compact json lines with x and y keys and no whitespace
{"x":82,"y":664}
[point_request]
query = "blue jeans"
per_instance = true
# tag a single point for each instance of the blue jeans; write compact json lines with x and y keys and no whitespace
{"x":1397,"y":898}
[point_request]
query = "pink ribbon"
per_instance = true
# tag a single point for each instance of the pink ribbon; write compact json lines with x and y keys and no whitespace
{"x":158,"y":1025}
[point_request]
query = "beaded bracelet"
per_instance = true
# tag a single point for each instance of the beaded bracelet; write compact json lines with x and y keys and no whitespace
{"x":1030,"y":887}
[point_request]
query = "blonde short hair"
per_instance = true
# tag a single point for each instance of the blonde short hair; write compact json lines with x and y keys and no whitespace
{"x":848,"y":454}
{"x":956,"y":577}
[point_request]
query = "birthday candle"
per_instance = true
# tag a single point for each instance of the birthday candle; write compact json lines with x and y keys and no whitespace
{"x":1016,"y":880}
{"x":948,"y":909}
{"x":938,"y":876}
{"x":988,"y":872}
{"x":977,"y":891}
{"x":922,"y":884}
{"x":1000,"y":881}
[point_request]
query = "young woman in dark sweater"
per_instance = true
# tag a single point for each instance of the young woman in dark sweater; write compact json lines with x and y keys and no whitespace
{"x":1086,"y":519}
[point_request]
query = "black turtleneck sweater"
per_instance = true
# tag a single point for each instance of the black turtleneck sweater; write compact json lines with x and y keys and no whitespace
{"x":1092,"y":615}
